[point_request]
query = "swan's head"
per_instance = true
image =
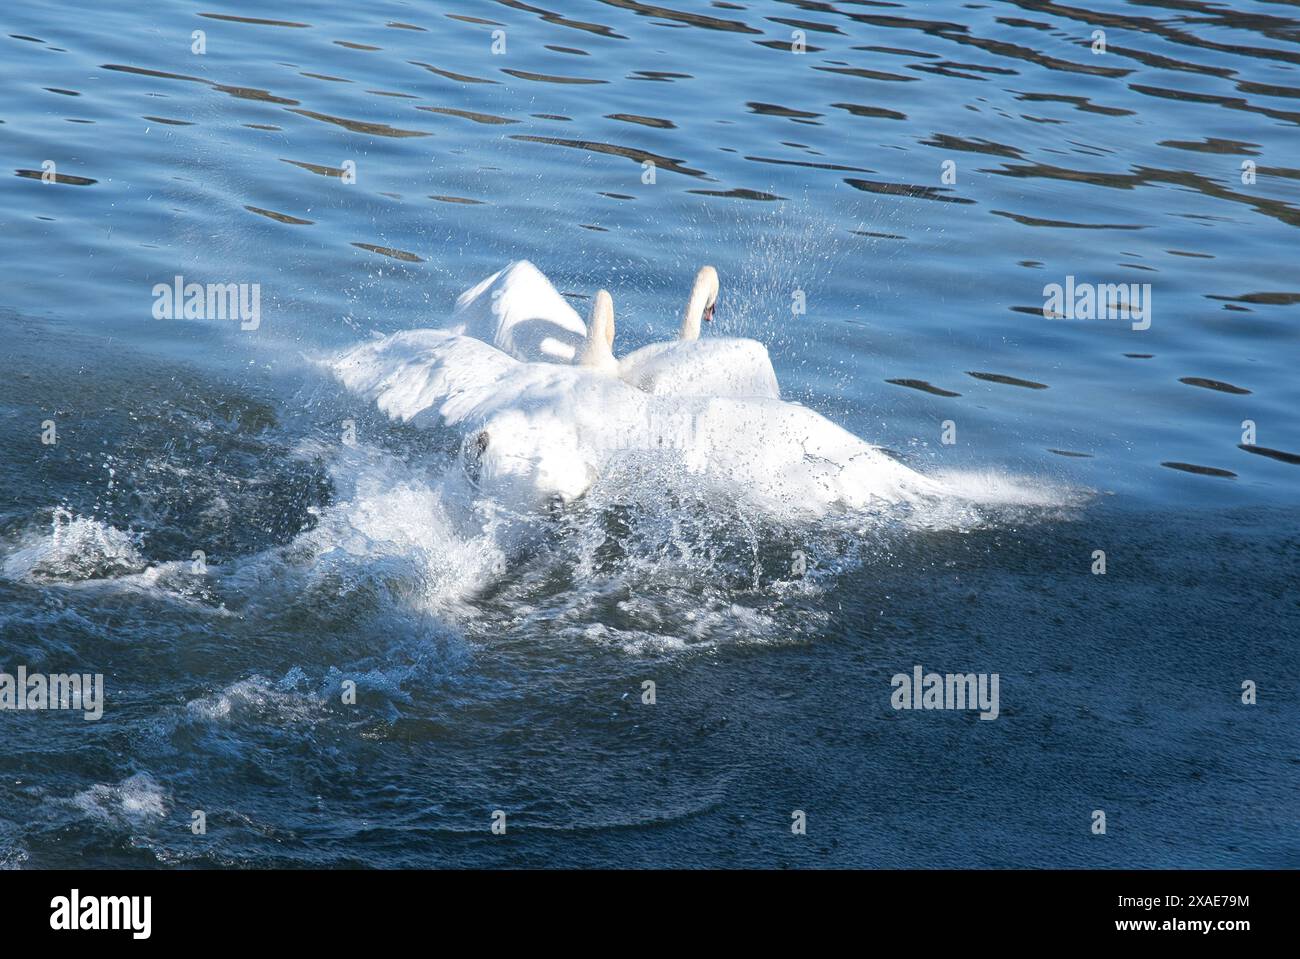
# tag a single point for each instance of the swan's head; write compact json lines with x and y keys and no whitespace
{"x":526,"y":461}
{"x":704,"y":296}
{"x":599,"y":351}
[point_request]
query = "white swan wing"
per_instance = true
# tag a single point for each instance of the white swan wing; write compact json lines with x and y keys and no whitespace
{"x":518,"y":311}
{"x":792,"y":459}
{"x":725,"y":366}
{"x":415,"y":373}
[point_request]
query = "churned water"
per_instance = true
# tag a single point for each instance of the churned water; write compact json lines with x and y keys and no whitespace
{"x":890,"y":193}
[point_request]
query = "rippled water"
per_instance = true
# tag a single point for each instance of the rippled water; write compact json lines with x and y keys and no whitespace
{"x":913,"y":174}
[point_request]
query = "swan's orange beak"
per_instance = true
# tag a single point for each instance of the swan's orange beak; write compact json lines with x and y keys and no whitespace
{"x":708,"y":313}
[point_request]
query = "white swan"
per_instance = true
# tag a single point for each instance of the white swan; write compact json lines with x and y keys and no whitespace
{"x":518,"y":311}
{"x":535,"y":432}
{"x":531,"y":432}
{"x":690,"y":366}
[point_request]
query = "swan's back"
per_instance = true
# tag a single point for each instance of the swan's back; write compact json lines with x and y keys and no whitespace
{"x":518,"y":311}
{"x":722,"y":366}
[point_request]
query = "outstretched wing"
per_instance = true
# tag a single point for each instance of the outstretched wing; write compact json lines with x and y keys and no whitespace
{"x":521,"y":313}
{"x":421,"y":373}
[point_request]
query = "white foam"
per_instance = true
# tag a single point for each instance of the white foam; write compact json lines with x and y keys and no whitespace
{"x":13,"y":853}
{"x":259,"y":698}
{"x":136,"y":799}
{"x":996,"y":488}
{"x":418,"y":522}
{"x":74,"y":548}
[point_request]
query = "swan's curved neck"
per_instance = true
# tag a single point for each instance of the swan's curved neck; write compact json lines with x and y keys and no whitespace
{"x":599,"y":351}
{"x":703,"y":295}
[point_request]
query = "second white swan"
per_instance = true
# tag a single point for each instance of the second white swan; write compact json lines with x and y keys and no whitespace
{"x":690,"y":366}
